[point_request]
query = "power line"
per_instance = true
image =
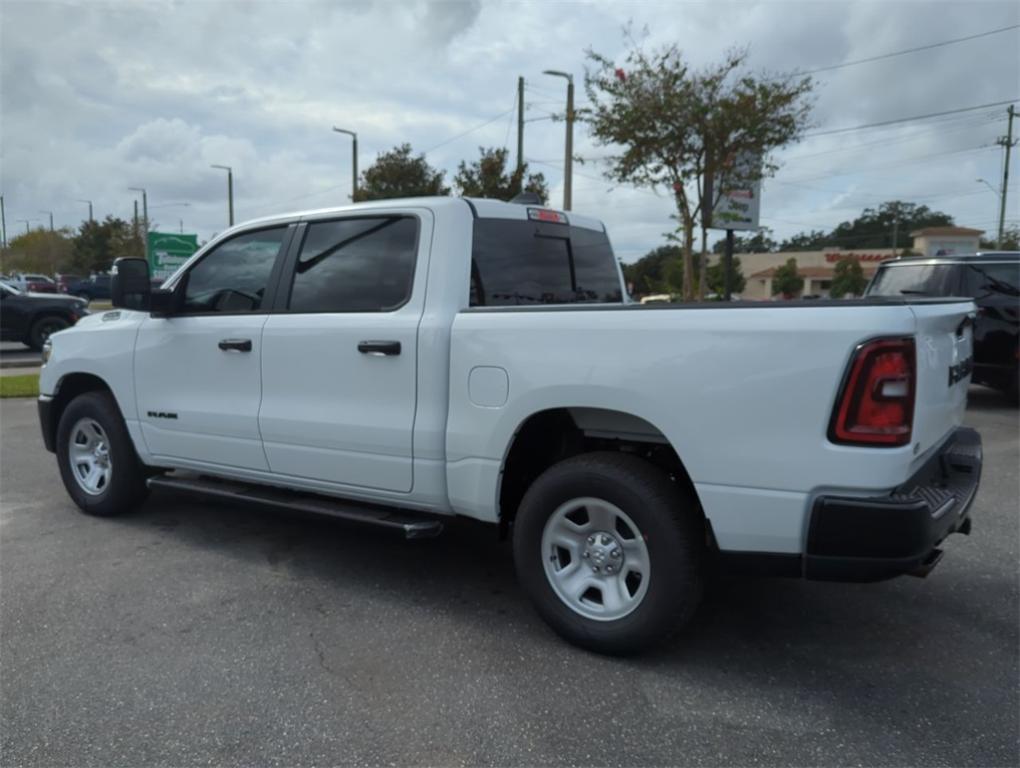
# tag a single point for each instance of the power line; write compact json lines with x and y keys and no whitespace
{"x":469,"y":130}
{"x":910,"y":50}
{"x":899,"y":120}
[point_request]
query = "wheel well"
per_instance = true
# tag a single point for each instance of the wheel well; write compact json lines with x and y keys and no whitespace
{"x":70,"y":387}
{"x":548,"y":437}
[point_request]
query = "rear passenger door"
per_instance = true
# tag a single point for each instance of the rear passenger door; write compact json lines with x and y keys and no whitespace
{"x":339,"y":363}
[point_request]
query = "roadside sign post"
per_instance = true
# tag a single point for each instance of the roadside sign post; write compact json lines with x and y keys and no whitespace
{"x":738,"y":207}
{"x":167,"y":251}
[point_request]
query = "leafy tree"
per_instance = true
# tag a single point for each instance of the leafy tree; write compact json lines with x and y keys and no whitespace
{"x":875,"y":226}
{"x":688,"y":129}
{"x":398,"y":174}
{"x":715,"y":277}
{"x":760,"y":242}
{"x":100,"y":242}
{"x":847,"y":278}
{"x":487,"y":177}
{"x":1010,"y":240}
{"x":787,"y":280}
{"x":815,"y":240}
{"x":39,"y":251}
{"x":658,"y":271}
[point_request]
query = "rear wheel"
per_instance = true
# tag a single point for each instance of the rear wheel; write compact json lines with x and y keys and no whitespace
{"x":43,"y":328}
{"x":97,"y":460}
{"x":609,"y":550}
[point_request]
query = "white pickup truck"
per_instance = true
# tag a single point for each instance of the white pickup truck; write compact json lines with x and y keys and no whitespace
{"x":397,"y":363}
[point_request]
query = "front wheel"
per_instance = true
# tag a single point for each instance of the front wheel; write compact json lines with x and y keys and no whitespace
{"x":609,"y":550}
{"x":97,"y":460}
{"x":43,"y":328}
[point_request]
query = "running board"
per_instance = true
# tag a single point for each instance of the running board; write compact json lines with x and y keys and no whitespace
{"x":413,"y":525}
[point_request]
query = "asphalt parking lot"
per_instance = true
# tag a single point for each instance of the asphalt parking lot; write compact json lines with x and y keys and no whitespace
{"x":194,"y":634}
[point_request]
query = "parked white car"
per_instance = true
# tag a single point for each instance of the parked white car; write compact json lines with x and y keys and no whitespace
{"x":402,"y":362}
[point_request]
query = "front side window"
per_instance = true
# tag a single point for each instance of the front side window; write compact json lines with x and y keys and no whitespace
{"x":233,"y":278}
{"x":355,"y":265}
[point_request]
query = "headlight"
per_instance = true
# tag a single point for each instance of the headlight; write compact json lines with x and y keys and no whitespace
{"x":47,"y":349}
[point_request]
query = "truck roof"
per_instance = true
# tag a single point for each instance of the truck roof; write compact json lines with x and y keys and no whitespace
{"x":481,"y":208}
{"x":1005,"y":256}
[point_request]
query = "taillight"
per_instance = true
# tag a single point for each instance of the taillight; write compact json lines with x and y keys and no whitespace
{"x":876,"y":404}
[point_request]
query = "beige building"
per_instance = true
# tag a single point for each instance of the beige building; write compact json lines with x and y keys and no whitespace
{"x":817,"y":267}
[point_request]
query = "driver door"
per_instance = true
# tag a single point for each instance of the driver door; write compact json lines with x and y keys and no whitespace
{"x":198,"y":373}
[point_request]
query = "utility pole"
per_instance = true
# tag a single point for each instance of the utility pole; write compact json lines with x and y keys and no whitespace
{"x":520,"y":131}
{"x":27,"y":222}
{"x":135,"y":226}
{"x":230,"y":191}
{"x":3,"y":224}
{"x":51,"y":218}
{"x":145,"y":219}
{"x":568,"y":164}
{"x":1007,"y":142}
{"x":354,"y":159}
{"x":895,"y":234}
{"x":90,"y":209}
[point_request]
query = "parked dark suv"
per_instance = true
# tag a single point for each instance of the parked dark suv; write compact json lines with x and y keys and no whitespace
{"x":32,"y":317}
{"x":992,"y":279}
{"x":91,"y":288}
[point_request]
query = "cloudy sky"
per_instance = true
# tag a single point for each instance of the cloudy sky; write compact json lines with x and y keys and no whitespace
{"x":96,"y":97}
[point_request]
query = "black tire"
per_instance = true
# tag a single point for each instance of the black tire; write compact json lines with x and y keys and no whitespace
{"x":43,"y":328}
{"x":126,"y":488}
{"x":673,"y":533}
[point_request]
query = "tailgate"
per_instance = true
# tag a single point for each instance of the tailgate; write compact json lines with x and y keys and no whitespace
{"x":945,"y":343}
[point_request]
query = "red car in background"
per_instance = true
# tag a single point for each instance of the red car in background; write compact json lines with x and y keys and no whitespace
{"x":64,"y":282}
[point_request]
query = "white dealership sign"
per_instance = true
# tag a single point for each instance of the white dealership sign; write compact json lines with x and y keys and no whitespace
{"x":740,"y":197}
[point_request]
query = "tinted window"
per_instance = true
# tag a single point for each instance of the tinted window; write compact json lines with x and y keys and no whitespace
{"x":355,"y":265}
{"x":996,"y":279}
{"x":234,"y":277}
{"x":522,"y":263}
{"x":915,"y":279}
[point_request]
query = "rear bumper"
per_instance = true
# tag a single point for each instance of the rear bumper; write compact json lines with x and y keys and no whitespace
{"x":869,"y":539}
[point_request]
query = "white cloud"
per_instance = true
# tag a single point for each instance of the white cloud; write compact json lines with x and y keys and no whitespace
{"x":98,"y":97}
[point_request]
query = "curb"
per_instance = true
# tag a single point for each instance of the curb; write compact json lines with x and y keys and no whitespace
{"x":20,"y":363}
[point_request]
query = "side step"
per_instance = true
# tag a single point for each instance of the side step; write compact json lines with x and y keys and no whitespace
{"x":412,"y":524}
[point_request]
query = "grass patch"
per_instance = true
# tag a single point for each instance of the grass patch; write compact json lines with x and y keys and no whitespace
{"x":100,"y":306}
{"x":20,"y":386}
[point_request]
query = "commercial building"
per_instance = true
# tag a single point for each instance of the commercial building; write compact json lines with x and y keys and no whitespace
{"x":818,"y":267}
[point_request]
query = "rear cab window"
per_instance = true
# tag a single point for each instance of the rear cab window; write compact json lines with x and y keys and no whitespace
{"x":517,"y":262}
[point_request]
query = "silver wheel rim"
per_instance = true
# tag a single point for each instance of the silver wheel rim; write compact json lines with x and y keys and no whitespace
{"x":88,"y":453}
{"x":596,"y":559}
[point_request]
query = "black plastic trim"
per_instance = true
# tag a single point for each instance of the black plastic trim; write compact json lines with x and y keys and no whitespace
{"x":885,"y":301}
{"x":46,"y":423}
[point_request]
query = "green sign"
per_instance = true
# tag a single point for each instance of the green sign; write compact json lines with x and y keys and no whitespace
{"x":167,"y":251}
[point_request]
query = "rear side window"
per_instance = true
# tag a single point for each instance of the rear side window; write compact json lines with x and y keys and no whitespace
{"x":993,"y":279}
{"x":915,"y":279}
{"x":525,"y":263}
{"x":355,"y":265}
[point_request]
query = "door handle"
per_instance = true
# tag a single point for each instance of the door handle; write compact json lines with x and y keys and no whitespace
{"x":238,"y":345}
{"x":379,"y":348}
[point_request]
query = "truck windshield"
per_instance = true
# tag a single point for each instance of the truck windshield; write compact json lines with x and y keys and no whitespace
{"x":913,"y":280}
{"x":523,"y":263}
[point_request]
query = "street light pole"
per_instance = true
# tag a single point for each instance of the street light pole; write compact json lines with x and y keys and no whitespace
{"x":354,"y":159}
{"x":90,"y":208}
{"x":3,"y":223}
{"x":51,"y":218}
{"x":27,"y":222}
{"x":999,"y":195}
{"x":145,"y":219}
{"x":568,"y":165}
{"x":230,"y":190}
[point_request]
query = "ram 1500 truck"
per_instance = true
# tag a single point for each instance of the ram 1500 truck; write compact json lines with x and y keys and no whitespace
{"x":401,"y":362}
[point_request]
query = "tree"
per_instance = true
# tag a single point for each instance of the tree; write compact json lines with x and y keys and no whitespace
{"x":874,"y":228}
{"x":760,"y":242}
{"x":687,"y":130}
{"x":658,"y":271}
{"x":715,"y":277}
{"x":397,"y":174}
{"x":815,"y":240}
{"x":100,"y":242}
{"x":847,"y":278}
{"x":39,"y":250}
{"x":487,"y":177}
{"x":786,"y":280}
{"x":1010,"y":240}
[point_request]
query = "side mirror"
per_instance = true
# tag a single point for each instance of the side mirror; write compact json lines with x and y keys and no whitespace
{"x":130,"y":287}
